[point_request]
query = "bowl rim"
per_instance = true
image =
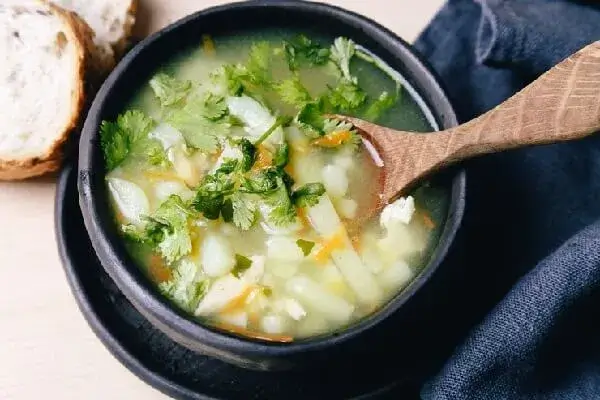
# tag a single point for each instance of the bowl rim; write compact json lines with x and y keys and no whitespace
{"x":158,"y":308}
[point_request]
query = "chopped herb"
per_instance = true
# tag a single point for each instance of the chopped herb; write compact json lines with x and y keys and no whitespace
{"x":283,"y":211}
{"x":260,"y":182}
{"x":342,"y":51}
{"x":173,"y":216}
{"x":346,"y":96}
{"x":282,"y":155}
{"x":244,"y":211}
{"x":381,"y":105}
{"x":211,"y":193}
{"x":118,"y":138}
{"x":302,"y":51}
{"x":213,"y":107}
{"x":259,"y":62}
{"x":305,"y":245}
{"x":183,"y":288}
{"x":267,"y":291}
{"x":308,"y":195}
{"x":201,"y":121}
{"x":170,"y":91}
{"x":248,"y":154}
{"x":157,"y":155}
{"x":311,"y":119}
{"x":241,"y":265}
{"x":292,"y":92}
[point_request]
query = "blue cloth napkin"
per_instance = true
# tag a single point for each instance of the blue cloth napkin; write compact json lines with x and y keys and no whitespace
{"x":525,"y":321}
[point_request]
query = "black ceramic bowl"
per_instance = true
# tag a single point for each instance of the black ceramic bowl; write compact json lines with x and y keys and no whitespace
{"x":135,"y":70}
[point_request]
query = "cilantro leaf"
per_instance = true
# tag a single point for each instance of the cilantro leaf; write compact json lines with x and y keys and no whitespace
{"x":283,"y":211}
{"x":248,"y":154}
{"x":381,"y":105}
{"x":259,"y":62}
{"x":183,"y":288}
{"x":199,"y":131}
{"x":342,"y":51}
{"x":311,"y":120}
{"x":171,"y":218}
{"x":308,"y":195}
{"x":211,"y":193}
{"x":244,"y":211}
{"x":282,"y":155}
{"x":213,"y":107}
{"x":305,"y":245}
{"x":292,"y":92}
{"x":346,"y":96}
{"x":169,"y":90}
{"x":262,"y":181}
{"x":118,"y":138}
{"x":241,"y":265}
{"x":302,"y":51}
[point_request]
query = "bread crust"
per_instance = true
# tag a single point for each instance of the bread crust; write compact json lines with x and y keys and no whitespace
{"x":121,"y":46}
{"x":81,"y":35}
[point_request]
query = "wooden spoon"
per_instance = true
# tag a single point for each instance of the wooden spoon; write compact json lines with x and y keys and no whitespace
{"x":563,"y":104}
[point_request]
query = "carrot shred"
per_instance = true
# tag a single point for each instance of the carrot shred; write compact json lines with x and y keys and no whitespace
{"x":333,"y":139}
{"x":427,"y":221}
{"x":263,"y":158}
{"x":238,"y":302}
{"x":335,"y":242}
{"x":157,"y":269}
{"x":271,"y":337}
{"x":208,"y":45}
{"x":355,"y":239}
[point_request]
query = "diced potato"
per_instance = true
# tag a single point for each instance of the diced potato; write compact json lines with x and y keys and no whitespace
{"x":346,"y":207}
{"x":256,"y":271}
{"x":284,"y":248}
{"x":396,"y":275}
{"x":129,"y":199}
{"x":238,"y":319}
{"x":221,"y":292}
{"x":399,"y":242}
{"x":324,"y":218}
{"x":345,"y":159}
{"x":294,"y":309}
{"x":282,"y":269}
{"x":327,"y":223}
{"x":312,"y":325}
{"x":167,"y":136}
{"x":400,"y":211}
{"x":308,"y":168}
{"x":372,"y":259}
{"x":164,"y":189}
{"x":184,"y":167}
{"x":229,"y":153}
{"x":310,"y":293}
{"x":217,"y":255}
{"x":335,"y":180}
{"x":273,"y":323}
{"x":255,"y":117}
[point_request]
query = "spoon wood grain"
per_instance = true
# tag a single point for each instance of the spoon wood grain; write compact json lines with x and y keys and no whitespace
{"x":561,"y":105}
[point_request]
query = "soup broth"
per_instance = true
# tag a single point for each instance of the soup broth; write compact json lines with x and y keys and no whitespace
{"x":241,"y":200}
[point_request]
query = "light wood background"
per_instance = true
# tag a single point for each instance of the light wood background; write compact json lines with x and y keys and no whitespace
{"x":47,"y":351}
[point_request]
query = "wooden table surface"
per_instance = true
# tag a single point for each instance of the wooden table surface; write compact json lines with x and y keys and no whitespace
{"x":47,"y":351}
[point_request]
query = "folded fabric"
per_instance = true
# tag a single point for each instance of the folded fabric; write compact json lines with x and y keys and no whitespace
{"x":530,"y":248}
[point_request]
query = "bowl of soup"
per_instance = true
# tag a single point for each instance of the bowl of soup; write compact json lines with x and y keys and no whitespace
{"x":226,"y":203}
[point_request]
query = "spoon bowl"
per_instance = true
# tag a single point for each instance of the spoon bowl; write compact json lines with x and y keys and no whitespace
{"x":561,"y":105}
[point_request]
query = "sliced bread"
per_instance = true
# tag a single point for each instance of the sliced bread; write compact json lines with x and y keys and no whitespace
{"x":111,"y":20}
{"x":47,"y":54}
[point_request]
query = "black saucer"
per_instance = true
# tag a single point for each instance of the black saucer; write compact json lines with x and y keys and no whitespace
{"x":173,"y":369}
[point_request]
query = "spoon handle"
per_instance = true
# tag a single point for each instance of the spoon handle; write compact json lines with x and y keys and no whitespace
{"x":563,"y":104}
